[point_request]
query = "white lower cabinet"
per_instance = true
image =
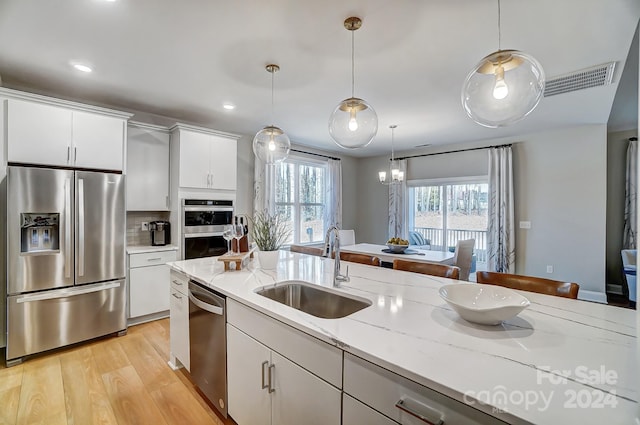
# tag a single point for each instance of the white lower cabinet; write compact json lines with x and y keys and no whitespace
{"x":264,"y":386}
{"x":179,"y":320}
{"x":403,"y":400}
{"x":356,"y":413}
{"x":149,"y":285}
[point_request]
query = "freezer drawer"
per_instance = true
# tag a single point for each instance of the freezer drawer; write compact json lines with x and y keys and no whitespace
{"x":50,"y":319}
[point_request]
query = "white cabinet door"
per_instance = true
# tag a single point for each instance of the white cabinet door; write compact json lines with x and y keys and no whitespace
{"x":179,"y":327}
{"x":98,"y":141}
{"x":147,"y":170}
{"x":302,"y":398}
{"x":38,"y":134}
{"x":194,"y":159}
{"x":356,"y":413}
{"x":148,"y":290}
{"x":249,"y":401}
{"x":224,"y":165}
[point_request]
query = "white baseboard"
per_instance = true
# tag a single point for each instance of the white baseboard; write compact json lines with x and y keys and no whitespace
{"x":598,"y":297}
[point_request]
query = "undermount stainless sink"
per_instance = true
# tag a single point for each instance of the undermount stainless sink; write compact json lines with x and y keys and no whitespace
{"x":314,"y":300}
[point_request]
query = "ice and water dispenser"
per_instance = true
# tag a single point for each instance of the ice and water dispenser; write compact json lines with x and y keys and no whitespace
{"x":40,"y":232}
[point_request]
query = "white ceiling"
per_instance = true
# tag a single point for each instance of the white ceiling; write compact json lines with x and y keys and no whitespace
{"x":184,"y":59}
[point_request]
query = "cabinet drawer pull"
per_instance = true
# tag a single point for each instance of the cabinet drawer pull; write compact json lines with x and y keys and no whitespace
{"x":177,"y":282}
{"x":272,"y":376}
{"x":154,"y":259}
{"x":75,"y":154}
{"x":68,"y":153}
{"x":403,"y":406}
{"x":177,"y":296}
{"x":264,"y":363}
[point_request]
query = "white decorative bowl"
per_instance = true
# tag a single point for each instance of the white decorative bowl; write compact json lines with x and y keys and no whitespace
{"x":397,"y":248}
{"x":483,"y":304}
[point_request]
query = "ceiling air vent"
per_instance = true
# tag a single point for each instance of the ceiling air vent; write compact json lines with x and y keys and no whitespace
{"x":600,"y":75}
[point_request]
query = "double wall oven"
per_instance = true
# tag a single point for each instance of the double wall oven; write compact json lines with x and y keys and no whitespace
{"x":203,"y":222}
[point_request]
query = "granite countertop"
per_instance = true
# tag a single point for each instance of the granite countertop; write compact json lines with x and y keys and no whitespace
{"x":554,"y":363}
{"x":141,"y":249}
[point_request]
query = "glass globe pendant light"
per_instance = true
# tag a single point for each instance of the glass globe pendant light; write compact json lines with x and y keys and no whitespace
{"x":504,"y":87}
{"x":353,"y":124}
{"x":271,"y":144}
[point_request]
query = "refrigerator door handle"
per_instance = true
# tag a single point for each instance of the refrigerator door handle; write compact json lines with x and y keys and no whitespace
{"x":80,"y":227}
{"x":63,"y":293}
{"x":67,"y":227}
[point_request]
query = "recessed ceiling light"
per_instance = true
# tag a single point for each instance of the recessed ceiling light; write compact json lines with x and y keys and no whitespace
{"x":229,"y":106}
{"x":82,"y":67}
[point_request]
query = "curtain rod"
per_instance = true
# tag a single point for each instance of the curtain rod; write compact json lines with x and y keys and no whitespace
{"x":460,"y":150}
{"x":316,"y":154}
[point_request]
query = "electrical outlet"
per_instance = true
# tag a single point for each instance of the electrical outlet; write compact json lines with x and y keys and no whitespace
{"x":549,"y":269}
{"x":144,"y":226}
{"x":525,"y":225}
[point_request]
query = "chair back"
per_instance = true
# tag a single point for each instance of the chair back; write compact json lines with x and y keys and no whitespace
{"x":433,"y":269}
{"x":370,"y":260}
{"x":462,"y":257}
{"x":629,"y":257}
{"x":310,"y":250}
{"x":347,"y":237}
{"x":530,"y":283}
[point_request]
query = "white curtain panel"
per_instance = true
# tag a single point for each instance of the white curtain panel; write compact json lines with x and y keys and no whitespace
{"x":501,"y":244}
{"x":398,"y":203}
{"x":333,"y":194}
{"x":631,"y":197}
{"x":264,"y":187}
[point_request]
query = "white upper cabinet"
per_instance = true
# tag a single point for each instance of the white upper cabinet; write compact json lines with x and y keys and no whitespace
{"x":195,"y":152}
{"x":38,"y":133}
{"x":147,"y":168}
{"x":98,"y":141}
{"x":207,"y":160}
{"x":44,"y":134}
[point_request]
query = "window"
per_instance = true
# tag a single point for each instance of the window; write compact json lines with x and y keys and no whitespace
{"x":300,"y":197}
{"x":449,"y":211}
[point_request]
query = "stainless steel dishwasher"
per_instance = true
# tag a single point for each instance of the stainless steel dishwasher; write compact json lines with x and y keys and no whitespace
{"x":208,"y":343}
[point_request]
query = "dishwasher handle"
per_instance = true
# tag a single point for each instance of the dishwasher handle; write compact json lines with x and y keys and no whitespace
{"x":215,"y":309}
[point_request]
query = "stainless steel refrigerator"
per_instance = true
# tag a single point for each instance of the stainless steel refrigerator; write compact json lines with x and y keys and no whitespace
{"x":66,"y":258}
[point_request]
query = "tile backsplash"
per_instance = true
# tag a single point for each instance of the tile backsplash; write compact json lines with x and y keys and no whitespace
{"x":135,"y":236}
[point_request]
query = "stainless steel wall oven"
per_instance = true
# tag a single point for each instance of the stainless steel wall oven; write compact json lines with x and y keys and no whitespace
{"x":203,"y":222}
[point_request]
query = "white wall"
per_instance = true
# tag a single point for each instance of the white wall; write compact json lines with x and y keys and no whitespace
{"x":560,"y":187}
{"x":560,"y":184}
{"x":3,"y":225}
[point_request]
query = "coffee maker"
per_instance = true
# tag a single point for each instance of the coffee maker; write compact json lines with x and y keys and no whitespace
{"x":160,"y":232}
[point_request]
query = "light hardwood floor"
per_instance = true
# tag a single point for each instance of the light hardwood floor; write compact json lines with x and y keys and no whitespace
{"x":115,"y":380}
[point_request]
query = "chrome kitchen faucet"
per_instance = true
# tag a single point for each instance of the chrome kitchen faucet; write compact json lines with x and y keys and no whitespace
{"x":337,"y":277}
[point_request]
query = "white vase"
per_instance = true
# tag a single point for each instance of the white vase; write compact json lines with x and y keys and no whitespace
{"x":268,"y":259}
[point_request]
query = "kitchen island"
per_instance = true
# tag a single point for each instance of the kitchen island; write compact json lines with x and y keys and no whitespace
{"x":559,"y":361}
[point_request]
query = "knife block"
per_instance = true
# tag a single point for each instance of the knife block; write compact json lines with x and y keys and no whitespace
{"x":244,"y":244}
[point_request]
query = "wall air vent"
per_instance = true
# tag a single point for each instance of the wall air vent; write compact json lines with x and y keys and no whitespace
{"x":600,"y":75}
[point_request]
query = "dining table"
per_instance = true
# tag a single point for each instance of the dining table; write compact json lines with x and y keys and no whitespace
{"x":411,"y":254}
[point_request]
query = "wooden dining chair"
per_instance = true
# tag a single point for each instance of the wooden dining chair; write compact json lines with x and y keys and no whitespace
{"x":310,"y":250}
{"x":530,"y":283}
{"x":370,"y":260}
{"x":433,"y":269}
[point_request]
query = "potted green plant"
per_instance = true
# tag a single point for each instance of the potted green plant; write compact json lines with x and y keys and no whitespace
{"x":269,"y":232}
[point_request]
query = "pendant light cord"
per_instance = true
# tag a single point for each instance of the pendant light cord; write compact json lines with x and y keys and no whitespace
{"x":353,"y":78}
{"x":272,"y":114}
{"x":393,"y":128}
{"x":499,"y":29}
